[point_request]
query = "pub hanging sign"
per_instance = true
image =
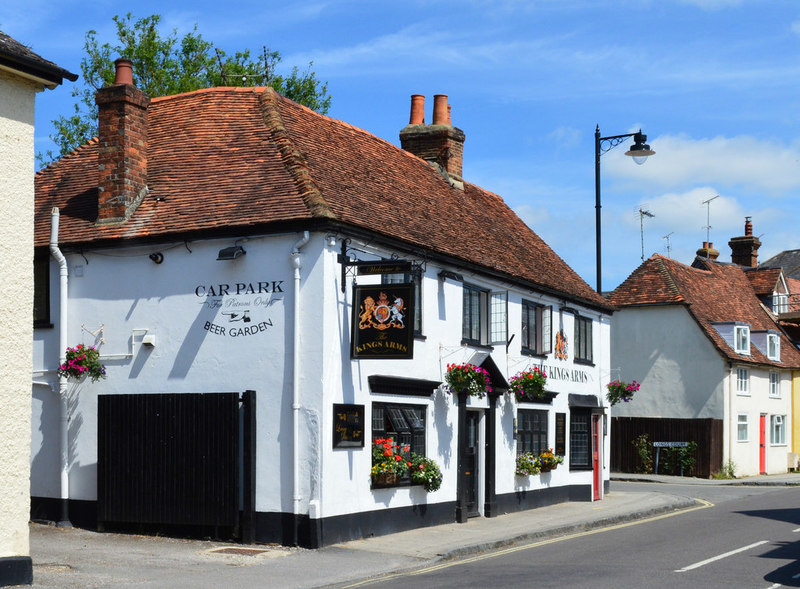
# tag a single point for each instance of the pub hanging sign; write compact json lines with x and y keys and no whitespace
{"x":383,"y":321}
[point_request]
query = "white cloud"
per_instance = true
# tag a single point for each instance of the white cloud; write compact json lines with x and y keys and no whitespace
{"x":533,"y":217}
{"x":760,"y":166}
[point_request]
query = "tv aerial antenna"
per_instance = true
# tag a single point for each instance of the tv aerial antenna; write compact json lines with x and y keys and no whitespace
{"x":669,"y":249}
{"x":708,"y":218}
{"x":642,"y":215}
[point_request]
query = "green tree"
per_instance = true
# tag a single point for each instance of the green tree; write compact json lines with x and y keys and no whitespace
{"x":165,"y":65}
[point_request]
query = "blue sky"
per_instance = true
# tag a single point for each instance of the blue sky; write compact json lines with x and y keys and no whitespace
{"x":713,"y":83}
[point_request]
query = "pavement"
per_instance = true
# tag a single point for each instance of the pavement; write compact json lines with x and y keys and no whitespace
{"x":73,"y":557}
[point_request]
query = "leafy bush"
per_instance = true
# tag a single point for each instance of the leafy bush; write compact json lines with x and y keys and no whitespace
{"x":645,"y":451}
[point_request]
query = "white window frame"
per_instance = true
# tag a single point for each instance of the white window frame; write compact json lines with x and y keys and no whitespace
{"x":743,"y":381}
{"x":778,"y":430}
{"x":742,"y":428}
{"x":773,"y":346}
{"x":780,"y":303}
{"x":498,"y":318}
{"x":491,"y":321}
{"x":537,"y":321}
{"x":741,"y":339}
{"x":775,"y":385}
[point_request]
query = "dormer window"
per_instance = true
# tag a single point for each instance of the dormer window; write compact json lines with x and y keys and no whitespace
{"x":773,"y":347}
{"x":742,"y":339}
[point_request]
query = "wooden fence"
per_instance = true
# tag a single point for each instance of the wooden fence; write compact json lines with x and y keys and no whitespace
{"x":707,"y":433}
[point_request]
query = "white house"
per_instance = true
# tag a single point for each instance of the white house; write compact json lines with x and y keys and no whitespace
{"x":234,"y":250}
{"x":712,"y":361}
{"x":23,"y":73}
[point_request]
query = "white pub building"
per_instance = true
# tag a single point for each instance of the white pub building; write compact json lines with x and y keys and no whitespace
{"x":271,"y":290}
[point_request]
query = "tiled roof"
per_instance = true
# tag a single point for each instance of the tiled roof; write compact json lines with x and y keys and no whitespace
{"x":764,"y":280}
{"x":713,"y":292}
{"x":789,"y":260}
{"x":241,"y":159}
{"x":15,"y":55}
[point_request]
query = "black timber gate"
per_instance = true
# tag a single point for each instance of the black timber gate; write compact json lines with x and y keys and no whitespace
{"x":177,"y":462}
{"x":706,"y":432}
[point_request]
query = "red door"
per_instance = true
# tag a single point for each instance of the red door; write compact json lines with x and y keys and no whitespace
{"x":597,"y":478}
{"x":762,"y":445}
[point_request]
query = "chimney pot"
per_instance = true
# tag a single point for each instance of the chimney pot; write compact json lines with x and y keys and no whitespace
{"x":440,"y":109}
{"x":748,"y":226}
{"x":449,"y":120}
{"x":417,"y":110}
{"x":123,"y":73}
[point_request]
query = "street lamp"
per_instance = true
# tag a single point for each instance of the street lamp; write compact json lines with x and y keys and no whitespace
{"x":639,"y":151}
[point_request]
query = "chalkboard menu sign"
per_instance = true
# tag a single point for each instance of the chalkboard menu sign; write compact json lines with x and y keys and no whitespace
{"x":348,"y":426}
{"x":561,"y":434}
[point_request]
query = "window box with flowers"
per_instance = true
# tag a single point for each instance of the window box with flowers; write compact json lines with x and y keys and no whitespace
{"x":468,"y":378}
{"x":549,"y":460}
{"x":528,"y":386}
{"x":527,"y":464}
{"x":82,"y":361}
{"x":621,"y":392}
{"x":392,"y":462}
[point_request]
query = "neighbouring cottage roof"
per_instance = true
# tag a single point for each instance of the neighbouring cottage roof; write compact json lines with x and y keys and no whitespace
{"x":764,"y":280}
{"x":713,"y":293}
{"x":789,"y":260}
{"x":16,"y":56}
{"x":246,"y":160}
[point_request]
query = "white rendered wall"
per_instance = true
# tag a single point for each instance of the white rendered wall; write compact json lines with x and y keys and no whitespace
{"x":202,"y":345}
{"x":16,"y":298}
{"x":119,"y":293}
{"x":682,"y":375}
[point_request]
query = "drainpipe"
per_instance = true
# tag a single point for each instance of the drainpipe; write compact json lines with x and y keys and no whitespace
{"x":63,"y":276}
{"x":296,"y":260}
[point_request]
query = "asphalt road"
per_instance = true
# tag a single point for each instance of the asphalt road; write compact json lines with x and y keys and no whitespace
{"x":742,"y":537}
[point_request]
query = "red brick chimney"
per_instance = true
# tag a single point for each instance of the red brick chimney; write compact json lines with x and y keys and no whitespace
{"x":440,"y":144}
{"x":708,"y":251}
{"x":744,"y":250}
{"x":122,"y":148}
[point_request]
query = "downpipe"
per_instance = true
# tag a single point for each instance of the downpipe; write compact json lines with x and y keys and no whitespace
{"x":63,"y":279}
{"x":296,"y":260}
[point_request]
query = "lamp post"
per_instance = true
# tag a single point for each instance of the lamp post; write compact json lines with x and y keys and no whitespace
{"x":639,"y":151}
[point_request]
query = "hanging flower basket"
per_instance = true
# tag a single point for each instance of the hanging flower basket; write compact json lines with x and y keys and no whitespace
{"x":528,"y":385}
{"x":549,"y":460}
{"x":468,"y":378}
{"x":82,"y":361}
{"x":619,"y":391}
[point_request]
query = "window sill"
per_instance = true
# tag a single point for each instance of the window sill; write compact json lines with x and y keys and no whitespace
{"x":43,"y":325}
{"x":580,"y":468}
{"x":584,"y":362}
{"x":529,"y":352}
{"x":399,"y":485}
{"x":419,"y":337}
{"x":738,"y":394}
{"x":774,"y":396}
{"x":474,"y":344}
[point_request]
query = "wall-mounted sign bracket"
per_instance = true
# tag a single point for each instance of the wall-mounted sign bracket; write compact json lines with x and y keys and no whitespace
{"x":353,"y":267}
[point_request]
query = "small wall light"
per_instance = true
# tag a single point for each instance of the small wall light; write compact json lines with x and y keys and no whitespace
{"x":231,"y":253}
{"x":157,"y":257}
{"x":149,"y":340}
